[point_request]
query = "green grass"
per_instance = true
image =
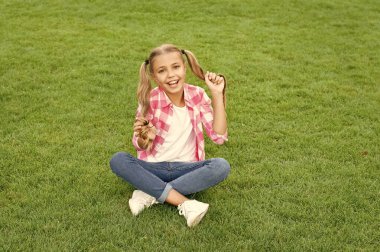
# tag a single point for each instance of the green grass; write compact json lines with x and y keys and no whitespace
{"x":303,"y":111}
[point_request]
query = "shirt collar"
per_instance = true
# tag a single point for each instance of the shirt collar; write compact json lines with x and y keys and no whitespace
{"x":165,"y":101}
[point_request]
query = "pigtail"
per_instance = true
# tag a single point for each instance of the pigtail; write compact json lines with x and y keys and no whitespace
{"x":144,"y":88}
{"x":143,"y":134}
{"x":194,"y":65}
{"x":198,"y":71}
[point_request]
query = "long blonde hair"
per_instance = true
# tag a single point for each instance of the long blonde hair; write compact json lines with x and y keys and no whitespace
{"x":145,"y":86}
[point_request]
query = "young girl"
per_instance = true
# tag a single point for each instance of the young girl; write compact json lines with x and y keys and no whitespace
{"x":168,"y":135}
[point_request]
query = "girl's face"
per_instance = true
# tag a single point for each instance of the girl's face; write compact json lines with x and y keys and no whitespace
{"x":169,"y":73}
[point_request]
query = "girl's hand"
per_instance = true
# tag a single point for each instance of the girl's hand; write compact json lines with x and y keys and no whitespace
{"x":214,"y":82}
{"x":144,"y":129}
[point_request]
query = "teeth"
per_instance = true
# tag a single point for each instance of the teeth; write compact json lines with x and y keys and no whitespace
{"x":172,"y":82}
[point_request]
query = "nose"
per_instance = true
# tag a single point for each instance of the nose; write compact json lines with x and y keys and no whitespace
{"x":170,"y":73}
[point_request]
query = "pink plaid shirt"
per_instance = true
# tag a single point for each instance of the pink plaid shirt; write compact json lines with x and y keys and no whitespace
{"x":160,"y":114}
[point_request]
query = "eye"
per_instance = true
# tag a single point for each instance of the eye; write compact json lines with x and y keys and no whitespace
{"x":160,"y":71}
{"x":176,"y":66}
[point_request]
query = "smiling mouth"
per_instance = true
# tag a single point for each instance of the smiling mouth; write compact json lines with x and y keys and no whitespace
{"x":173,"y":82}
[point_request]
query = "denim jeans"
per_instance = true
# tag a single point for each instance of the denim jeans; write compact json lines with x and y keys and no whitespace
{"x":158,"y":178}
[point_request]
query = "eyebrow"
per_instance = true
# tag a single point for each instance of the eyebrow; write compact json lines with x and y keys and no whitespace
{"x":175,"y":63}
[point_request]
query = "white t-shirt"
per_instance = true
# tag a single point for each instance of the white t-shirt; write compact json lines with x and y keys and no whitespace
{"x":179,"y":145}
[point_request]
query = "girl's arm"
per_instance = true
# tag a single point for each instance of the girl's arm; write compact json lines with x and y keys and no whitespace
{"x":216,"y":85}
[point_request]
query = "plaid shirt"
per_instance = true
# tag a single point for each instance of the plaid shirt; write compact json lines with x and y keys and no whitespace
{"x":160,"y":114}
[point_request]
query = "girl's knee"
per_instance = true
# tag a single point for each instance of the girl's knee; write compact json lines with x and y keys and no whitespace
{"x":221,"y":167}
{"x":117,"y":159}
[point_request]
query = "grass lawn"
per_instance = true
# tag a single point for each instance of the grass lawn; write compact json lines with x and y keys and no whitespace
{"x":303,"y":112}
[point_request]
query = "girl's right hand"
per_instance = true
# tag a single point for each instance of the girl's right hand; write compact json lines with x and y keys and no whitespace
{"x":144,"y":129}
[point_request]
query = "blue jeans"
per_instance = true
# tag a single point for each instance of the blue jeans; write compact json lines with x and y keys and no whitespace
{"x":157,"y":179}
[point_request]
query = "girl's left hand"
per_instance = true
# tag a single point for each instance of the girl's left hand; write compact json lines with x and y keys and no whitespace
{"x":214,"y":82}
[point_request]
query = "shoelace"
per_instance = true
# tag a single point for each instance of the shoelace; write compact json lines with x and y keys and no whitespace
{"x":181,"y":210}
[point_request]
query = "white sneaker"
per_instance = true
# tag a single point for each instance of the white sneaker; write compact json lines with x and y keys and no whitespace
{"x":193,"y":211}
{"x":140,"y":201}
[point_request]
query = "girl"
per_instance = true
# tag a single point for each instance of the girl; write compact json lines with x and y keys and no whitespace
{"x":168,"y":135}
